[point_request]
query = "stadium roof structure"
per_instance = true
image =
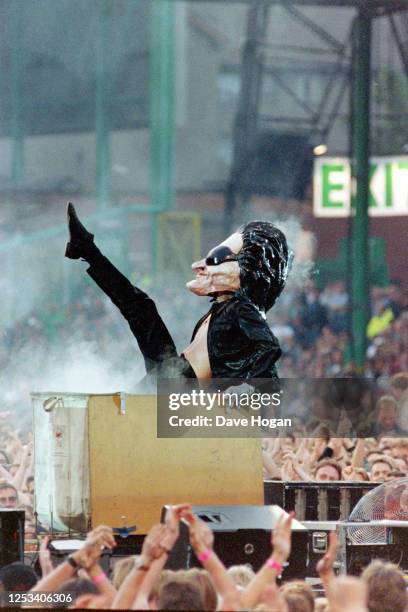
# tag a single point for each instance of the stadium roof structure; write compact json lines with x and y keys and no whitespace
{"x":253,"y":68}
{"x":161,"y":111}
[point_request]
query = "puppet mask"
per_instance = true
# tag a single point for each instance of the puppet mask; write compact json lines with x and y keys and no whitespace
{"x":219,"y":272}
{"x":254,"y":260}
{"x":264,"y":263}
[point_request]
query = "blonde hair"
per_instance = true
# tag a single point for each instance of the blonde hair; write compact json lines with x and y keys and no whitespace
{"x":400,"y":381}
{"x":203,"y":580}
{"x":298,"y":595}
{"x":195,"y":576}
{"x":241,"y":574}
{"x":387,"y":401}
{"x":322,"y":604}
{"x":121,"y":569}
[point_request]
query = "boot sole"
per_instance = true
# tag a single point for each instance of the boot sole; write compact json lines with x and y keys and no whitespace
{"x":71,"y":251}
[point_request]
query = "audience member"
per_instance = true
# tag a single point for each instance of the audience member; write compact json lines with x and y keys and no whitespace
{"x":148,"y":586}
{"x":387,"y":414}
{"x":8,"y":495}
{"x":381,"y":469}
{"x":387,"y":589}
{"x":327,"y":470}
{"x":17,"y":577}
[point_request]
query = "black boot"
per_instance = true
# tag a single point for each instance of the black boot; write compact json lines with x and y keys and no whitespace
{"x":81,"y":242}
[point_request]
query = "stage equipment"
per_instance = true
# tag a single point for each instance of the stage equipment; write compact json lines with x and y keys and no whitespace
{"x":355,"y":556}
{"x":387,"y":501}
{"x":242,"y":535}
{"x":11,"y":536}
{"x":99,"y":461}
{"x":60,"y":549}
{"x":316,"y":501}
{"x":377,"y":528}
{"x":317,"y":544}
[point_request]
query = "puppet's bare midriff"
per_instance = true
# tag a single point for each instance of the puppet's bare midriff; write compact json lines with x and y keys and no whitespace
{"x":197,"y":352}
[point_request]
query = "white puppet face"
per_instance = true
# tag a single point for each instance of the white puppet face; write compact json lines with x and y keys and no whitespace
{"x":219,"y":271}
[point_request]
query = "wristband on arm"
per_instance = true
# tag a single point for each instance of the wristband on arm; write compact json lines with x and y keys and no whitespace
{"x":71,"y":561}
{"x":205,"y":555}
{"x":275,"y":565}
{"x":99,"y":578}
{"x":166,"y":550}
{"x":141,"y":564}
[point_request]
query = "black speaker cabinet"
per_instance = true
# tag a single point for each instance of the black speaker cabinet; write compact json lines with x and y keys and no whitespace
{"x":242,"y":535}
{"x":11,"y":536}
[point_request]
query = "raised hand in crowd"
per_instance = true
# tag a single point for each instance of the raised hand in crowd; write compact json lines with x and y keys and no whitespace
{"x":44,"y":557}
{"x":157,"y":545}
{"x":202,"y":541}
{"x":14,"y":446}
{"x":84,"y":558}
{"x":348,"y":473}
{"x":96,"y":541}
{"x":152,"y":549}
{"x":25,"y":468}
{"x":272,"y":598}
{"x":281,"y":538}
{"x":270,"y":467}
{"x":298,"y":468}
{"x":348,"y":594}
{"x":201,"y":536}
{"x":273,"y":567}
{"x":304,"y":453}
{"x":325,"y":566}
{"x":172,"y":522}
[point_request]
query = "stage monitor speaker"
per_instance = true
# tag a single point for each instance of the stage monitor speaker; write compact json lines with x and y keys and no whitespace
{"x":242,"y":535}
{"x":11,"y":536}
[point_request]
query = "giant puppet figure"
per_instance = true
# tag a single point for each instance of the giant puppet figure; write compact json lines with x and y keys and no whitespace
{"x":244,"y":275}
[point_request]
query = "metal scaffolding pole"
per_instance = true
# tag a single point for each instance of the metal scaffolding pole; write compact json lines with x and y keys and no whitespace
{"x":361,"y":173}
{"x":102,"y":109}
{"x":162,"y":89}
{"x":245,"y":127}
{"x":400,"y":43}
{"x":17,"y":127}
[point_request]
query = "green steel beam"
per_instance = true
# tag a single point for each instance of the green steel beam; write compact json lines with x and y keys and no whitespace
{"x":162,"y":89}
{"x":361,"y":156}
{"x":17,"y":68}
{"x":102,"y":92}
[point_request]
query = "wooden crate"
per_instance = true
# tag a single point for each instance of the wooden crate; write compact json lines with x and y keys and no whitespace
{"x":133,"y":473}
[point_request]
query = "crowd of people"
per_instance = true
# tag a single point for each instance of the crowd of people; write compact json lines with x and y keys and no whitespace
{"x":143,"y":583}
{"x":17,"y":472}
{"x":312,"y":329}
{"x":323,"y":459}
{"x":311,"y":325}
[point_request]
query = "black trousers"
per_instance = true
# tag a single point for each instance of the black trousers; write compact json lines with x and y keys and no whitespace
{"x":139,"y":310}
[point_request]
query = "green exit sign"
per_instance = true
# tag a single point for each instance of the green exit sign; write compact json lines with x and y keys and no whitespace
{"x":332,"y":186}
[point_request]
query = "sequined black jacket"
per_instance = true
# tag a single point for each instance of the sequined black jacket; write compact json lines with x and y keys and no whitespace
{"x":240,"y":342}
